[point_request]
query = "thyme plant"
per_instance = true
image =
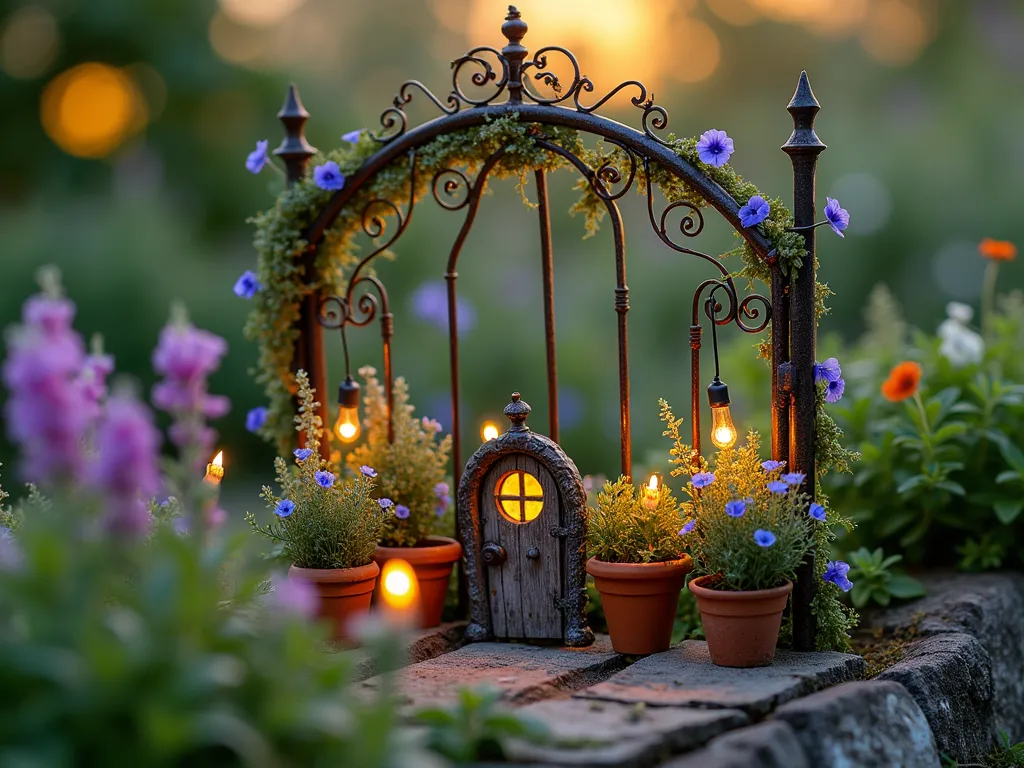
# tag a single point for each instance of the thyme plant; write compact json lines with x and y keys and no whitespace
{"x":623,"y":529}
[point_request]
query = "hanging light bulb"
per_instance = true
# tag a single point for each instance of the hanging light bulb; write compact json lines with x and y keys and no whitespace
{"x":723,"y":431}
{"x":347,"y":427}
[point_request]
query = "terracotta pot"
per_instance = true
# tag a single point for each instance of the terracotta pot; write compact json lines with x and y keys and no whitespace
{"x":639,"y":601}
{"x":432,"y":560}
{"x":344,"y":593}
{"x":742,"y":628}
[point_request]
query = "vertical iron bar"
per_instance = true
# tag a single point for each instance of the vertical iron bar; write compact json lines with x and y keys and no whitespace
{"x":548,"y":274}
{"x":780,"y":355}
{"x":295,"y":152}
{"x":695,"y":334}
{"x":803,"y":149}
{"x":622,"y":307}
{"x":387,"y":331}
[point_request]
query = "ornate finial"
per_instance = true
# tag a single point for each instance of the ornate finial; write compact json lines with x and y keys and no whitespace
{"x":295,"y":151}
{"x":517,"y":411}
{"x":803,"y":107}
{"x":514,"y":29}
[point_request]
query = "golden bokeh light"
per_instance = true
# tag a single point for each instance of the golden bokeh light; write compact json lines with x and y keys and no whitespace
{"x":90,"y":109}
{"x":739,"y":13}
{"x":259,"y":13}
{"x":29,"y":42}
{"x":235,"y":42}
{"x":895,"y":32}
{"x":399,"y":587}
{"x":489,"y":431}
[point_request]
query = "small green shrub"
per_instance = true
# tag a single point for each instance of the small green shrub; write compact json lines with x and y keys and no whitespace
{"x":624,"y":529}
{"x":874,"y":582}
{"x":411,"y":470}
{"x":319,"y":520}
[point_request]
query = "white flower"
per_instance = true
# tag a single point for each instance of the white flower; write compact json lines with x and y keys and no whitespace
{"x":960,"y":345}
{"x":961,"y":313}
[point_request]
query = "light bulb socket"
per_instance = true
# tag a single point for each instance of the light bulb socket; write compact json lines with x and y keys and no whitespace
{"x":348,"y":393}
{"x":718,"y":394}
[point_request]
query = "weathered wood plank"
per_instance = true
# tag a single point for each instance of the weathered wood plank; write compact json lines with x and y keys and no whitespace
{"x":541,"y":577}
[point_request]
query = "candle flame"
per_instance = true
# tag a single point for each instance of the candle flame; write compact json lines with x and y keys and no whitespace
{"x":653,"y":483}
{"x":218,"y":460}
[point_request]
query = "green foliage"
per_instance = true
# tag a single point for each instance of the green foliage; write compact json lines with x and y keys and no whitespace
{"x":410,"y":468}
{"x":874,"y":582}
{"x":628,"y":527}
{"x":335,"y":527}
{"x":476,"y":729}
{"x":984,"y":554}
{"x":1005,"y":754}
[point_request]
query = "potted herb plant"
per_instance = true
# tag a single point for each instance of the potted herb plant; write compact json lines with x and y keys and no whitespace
{"x":328,"y":527}
{"x":748,"y":532}
{"x":637,"y":563}
{"x":410,"y":472}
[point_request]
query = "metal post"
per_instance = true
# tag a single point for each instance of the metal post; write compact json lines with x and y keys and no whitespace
{"x":295,"y":151}
{"x":803,"y":149}
{"x":548,"y":274}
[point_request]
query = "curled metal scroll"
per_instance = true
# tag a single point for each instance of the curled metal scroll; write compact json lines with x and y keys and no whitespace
{"x":483,"y":75}
{"x":542,"y":74}
{"x":451,"y":189}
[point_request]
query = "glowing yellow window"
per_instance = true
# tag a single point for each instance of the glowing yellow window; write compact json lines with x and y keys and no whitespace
{"x":519,"y":496}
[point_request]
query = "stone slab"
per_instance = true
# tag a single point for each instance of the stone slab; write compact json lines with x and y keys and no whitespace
{"x":950,"y":678}
{"x":685,"y":676}
{"x":606,"y":733}
{"x":771,"y":744}
{"x":867,"y":724}
{"x":987,"y":606}
{"x":426,"y":644}
{"x":522,"y":673}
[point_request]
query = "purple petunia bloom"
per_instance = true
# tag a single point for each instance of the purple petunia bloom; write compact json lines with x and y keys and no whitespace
{"x":776,"y":486}
{"x":817,"y":512}
{"x":441,"y":490}
{"x":827,"y":371}
{"x":385,"y":503}
{"x":834,"y":391}
{"x":736,"y":508}
{"x":793,"y":478}
{"x":328,"y":176}
{"x":764,"y":538}
{"x":247,"y":286}
{"x":352,"y":136}
{"x":401,"y":511}
{"x":772,"y":466}
{"x":835,"y":572}
{"x":714,"y":147}
{"x":257,"y":158}
{"x":324,"y":478}
{"x":838,"y":218}
{"x":284,"y":508}
{"x":755,"y":211}
{"x":295,"y":597}
{"x":302,"y":453}
{"x":256,"y":418}
{"x":367,"y":471}
{"x":702,"y":479}
{"x":688,"y":527}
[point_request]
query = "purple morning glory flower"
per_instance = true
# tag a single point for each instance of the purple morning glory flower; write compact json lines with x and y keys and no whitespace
{"x":302,"y":453}
{"x":834,"y":391}
{"x":764,"y":538}
{"x":736,"y":508}
{"x":702,"y":479}
{"x":247,"y":285}
{"x":441,"y":490}
{"x":324,"y":478}
{"x":688,"y":527}
{"x":387,"y":504}
{"x":401,"y":511}
{"x":352,"y":136}
{"x":772,"y":466}
{"x":755,"y":211}
{"x":714,"y":147}
{"x":827,"y":371}
{"x":836,"y":573}
{"x":776,"y":486}
{"x":838,"y":218}
{"x":256,"y":418}
{"x":328,"y":176}
{"x":284,"y":508}
{"x":817,"y":512}
{"x":367,"y":471}
{"x":257,"y":158}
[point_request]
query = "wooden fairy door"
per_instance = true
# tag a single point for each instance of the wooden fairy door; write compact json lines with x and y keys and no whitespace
{"x":519,"y":506}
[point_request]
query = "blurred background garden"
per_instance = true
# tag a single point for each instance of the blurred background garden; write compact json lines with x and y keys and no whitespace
{"x":126,"y":127}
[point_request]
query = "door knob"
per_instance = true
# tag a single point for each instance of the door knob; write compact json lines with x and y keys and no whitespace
{"x":493,"y":554}
{"x":533,"y":553}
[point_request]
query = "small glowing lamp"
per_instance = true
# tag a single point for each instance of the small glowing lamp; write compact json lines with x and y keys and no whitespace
{"x":215,"y":469}
{"x":400,"y":592}
{"x":723,"y":431}
{"x":489,"y":431}
{"x":347,"y":427}
{"x":652,"y":491}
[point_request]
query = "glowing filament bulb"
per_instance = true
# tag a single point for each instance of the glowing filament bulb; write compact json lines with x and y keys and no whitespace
{"x":347,"y":426}
{"x":399,"y":588}
{"x":489,"y":431}
{"x":723,"y":431}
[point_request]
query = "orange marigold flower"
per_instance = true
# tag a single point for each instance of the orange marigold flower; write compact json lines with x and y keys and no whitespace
{"x":902,"y":382}
{"x":997,"y":250}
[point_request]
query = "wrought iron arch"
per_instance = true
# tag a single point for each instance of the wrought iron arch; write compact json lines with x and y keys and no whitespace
{"x":508,"y":72}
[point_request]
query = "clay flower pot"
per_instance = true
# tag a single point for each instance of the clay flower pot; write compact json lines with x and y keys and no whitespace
{"x":432,"y":560}
{"x":639,"y":601}
{"x":742,"y":628}
{"x":344,"y":594}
